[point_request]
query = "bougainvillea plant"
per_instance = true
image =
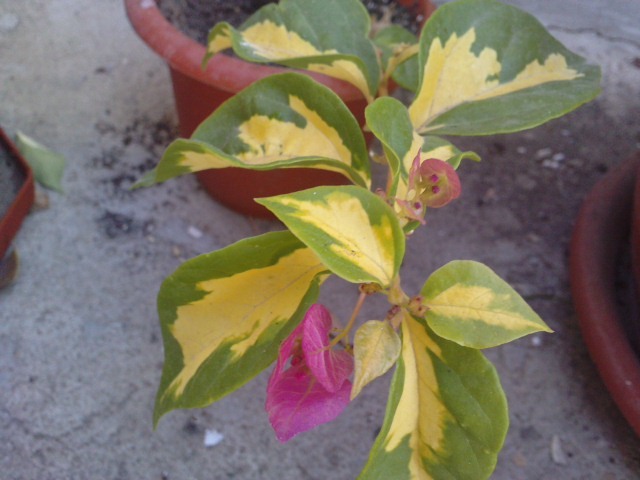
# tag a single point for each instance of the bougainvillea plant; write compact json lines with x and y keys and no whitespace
{"x":478,"y":67}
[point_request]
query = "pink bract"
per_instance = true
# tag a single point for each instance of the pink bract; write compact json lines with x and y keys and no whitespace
{"x":440,"y":182}
{"x":309,"y":385}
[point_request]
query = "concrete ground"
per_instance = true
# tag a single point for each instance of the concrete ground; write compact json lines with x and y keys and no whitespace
{"x":80,"y":348}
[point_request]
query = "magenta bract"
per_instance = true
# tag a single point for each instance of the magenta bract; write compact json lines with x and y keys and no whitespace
{"x":309,"y":385}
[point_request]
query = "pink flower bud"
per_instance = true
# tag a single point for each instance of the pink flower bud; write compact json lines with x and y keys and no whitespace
{"x":440,"y":182}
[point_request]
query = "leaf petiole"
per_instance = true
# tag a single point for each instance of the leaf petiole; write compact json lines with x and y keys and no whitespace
{"x":352,"y":320}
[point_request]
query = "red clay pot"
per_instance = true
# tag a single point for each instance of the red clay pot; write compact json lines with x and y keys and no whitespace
{"x":198,"y":92}
{"x":599,"y":236}
{"x":19,"y":208}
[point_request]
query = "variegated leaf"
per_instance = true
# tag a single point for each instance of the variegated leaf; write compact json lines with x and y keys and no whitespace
{"x":224,"y":314}
{"x":353,"y":231}
{"x":399,"y":52}
{"x":470,"y":305}
{"x":407,"y":72}
{"x":282,"y":121}
{"x":446,"y":414}
{"x":328,"y":37}
{"x":486,"y":67}
{"x":47,"y":165}
{"x":376,"y":347}
{"x":389,"y":121}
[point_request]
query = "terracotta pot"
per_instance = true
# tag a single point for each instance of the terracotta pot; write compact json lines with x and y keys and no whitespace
{"x":599,"y":237}
{"x":198,"y":92}
{"x":12,"y":219}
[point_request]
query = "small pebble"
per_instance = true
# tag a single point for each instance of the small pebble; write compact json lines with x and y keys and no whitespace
{"x":536,"y":341}
{"x":521,"y":150}
{"x":543,"y":153}
{"x":212,"y":438}
{"x":551,"y":163}
{"x":194,"y":232}
{"x":557,"y":453}
{"x":41,"y":201}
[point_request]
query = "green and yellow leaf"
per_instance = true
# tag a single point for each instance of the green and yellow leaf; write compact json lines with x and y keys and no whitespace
{"x":47,"y":165}
{"x":446,"y":414}
{"x":399,"y":55}
{"x":486,"y":67}
{"x":283,"y":121}
{"x":389,"y":121}
{"x":329,"y":37}
{"x":376,"y":348}
{"x":470,"y":305}
{"x":224,"y":314}
{"x":407,"y":71}
{"x":353,"y":231}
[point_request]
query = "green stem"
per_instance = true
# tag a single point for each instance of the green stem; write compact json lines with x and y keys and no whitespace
{"x":351,"y":322}
{"x":389,"y":184}
{"x":383,"y":90}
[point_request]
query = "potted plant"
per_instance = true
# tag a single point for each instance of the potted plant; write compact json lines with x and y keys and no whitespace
{"x":198,"y":91}
{"x":478,"y":67}
{"x":16,"y":198}
{"x":609,"y":215}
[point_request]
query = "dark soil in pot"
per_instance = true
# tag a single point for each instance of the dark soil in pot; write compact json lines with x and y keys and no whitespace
{"x":11,"y":179}
{"x":196,"y":17}
{"x":626,"y":289}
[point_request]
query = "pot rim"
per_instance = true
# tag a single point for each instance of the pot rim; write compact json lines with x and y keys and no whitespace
{"x":600,"y":231}
{"x":228,"y":73}
{"x":12,"y":220}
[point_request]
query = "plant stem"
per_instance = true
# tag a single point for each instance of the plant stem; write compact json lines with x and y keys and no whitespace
{"x":383,"y":90}
{"x":389,"y":182}
{"x":352,"y":320}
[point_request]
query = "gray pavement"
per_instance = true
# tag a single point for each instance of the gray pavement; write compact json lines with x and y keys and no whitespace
{"x":80,"y":347}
